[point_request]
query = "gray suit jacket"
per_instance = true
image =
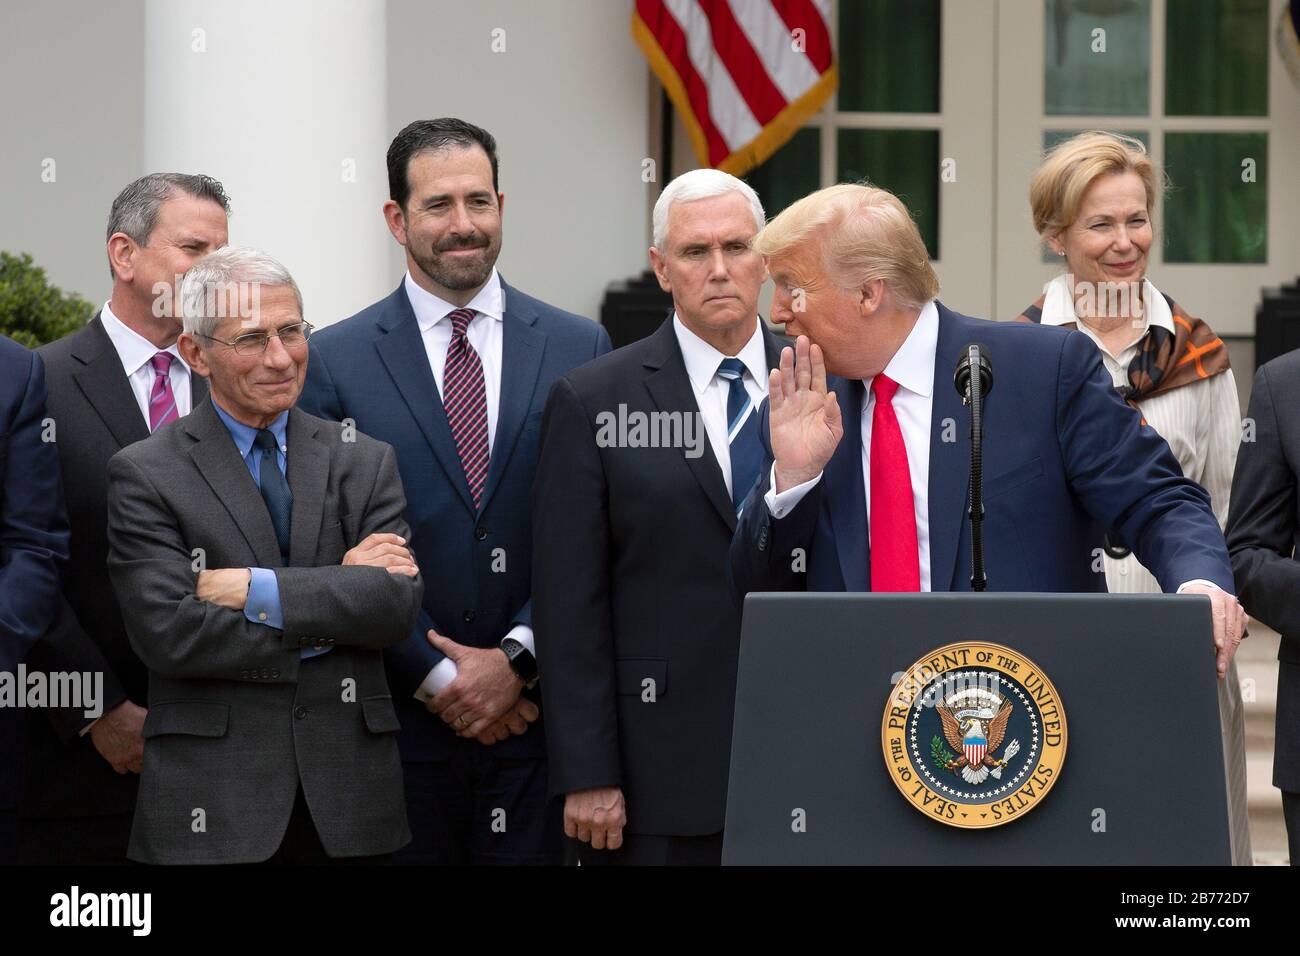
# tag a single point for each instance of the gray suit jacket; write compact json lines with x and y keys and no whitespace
{"x":236,"y":718}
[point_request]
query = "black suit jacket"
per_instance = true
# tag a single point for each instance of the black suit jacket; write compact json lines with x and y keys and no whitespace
{"x":95,"y":415}
{"x":33,"y":536}
{"x":630,"y":584}
{"x":1263,"y":532}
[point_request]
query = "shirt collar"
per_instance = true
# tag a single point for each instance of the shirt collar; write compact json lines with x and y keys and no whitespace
{"x":431,"y":309}
{"x":702,"y":359}
{"x":1058,"y":306}
{"x":912,"y":366}
{"x":133,"y":349}
{"x":245,"y":435}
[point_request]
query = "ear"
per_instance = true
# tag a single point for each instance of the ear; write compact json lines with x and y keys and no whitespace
{"x":1054,"y":243}
{"x":121,"y":249}
{"x":660,"y":266}
{"x":870,"y":296}
{"x":194,"y":356}
{"x":501,"y":205}
{"x":395,"y":220}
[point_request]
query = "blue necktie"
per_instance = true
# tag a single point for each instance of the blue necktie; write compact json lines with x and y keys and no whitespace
{"x":275,"y":490}
{"x":742,"y":432}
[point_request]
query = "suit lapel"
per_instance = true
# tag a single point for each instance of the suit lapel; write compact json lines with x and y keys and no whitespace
{"x":670,"y":388}
{"x":522,"y":346}
{"x":403,"y":354}
{"x":217,"y":459}
{"x":848,"y":503}
{"x":949,"y":461}
{"x":106,"y":386}
{"x":307,"y":472}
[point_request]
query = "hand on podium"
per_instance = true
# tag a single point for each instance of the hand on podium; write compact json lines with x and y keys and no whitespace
{"x":1230,"y":620}
{"x":804,"y":417}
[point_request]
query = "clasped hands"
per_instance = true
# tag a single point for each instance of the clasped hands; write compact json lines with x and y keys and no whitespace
{"x":483,"y":701}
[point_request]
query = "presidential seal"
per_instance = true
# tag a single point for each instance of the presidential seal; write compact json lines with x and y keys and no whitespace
{"x":974,"y":735}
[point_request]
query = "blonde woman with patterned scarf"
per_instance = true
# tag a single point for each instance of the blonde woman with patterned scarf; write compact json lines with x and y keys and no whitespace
{"x":1092,"y":200}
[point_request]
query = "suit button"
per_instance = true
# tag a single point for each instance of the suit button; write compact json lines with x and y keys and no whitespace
{"x":243,"y":675}
{"x":329,"y":641}
{"x":480,"y":533}
{"x":275,"y":672}
{"x":300,"y":712}
{"x":468,"y":617}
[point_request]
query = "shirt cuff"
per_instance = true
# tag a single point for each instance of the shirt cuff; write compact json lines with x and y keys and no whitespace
{"x":438,"y":678}
{"x":89,"y":727}
{"x":263,"y":603}
{"x":1187,"y":584}
{"x":524,"y":635}
{"x":780,"y":505}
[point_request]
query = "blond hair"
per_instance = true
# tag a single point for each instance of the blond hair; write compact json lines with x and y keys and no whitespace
{"x":865,"y":234}
{"x":1071,"y":166}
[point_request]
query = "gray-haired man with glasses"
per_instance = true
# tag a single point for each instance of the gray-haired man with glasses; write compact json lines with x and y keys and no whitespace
{"x":259,"y":555}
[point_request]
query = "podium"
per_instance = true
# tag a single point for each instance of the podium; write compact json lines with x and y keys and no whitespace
{"x":1142,"y":779}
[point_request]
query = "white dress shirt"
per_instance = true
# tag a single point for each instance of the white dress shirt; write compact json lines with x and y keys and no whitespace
{"x":1201,"y":421}
{"x":712,"y":391}
{"x":135,"y":352}
{"x":912,"y":367}
{"x":485,"y":335}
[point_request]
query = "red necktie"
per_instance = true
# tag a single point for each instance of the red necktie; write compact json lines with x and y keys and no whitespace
{"x":895,"y":565}
{"x":465,"y":399}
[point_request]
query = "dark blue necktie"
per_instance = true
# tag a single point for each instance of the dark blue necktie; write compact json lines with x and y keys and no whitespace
{"x":275,"y":490}
{"x":742,"y":432}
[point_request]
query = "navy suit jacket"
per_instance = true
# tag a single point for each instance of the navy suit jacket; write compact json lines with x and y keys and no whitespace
{"x":1064,"y":460}
{"x":373,"y":369}
{"x":34,"y":536}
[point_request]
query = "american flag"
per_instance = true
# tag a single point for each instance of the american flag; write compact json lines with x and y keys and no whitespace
{"x":744,"y":75}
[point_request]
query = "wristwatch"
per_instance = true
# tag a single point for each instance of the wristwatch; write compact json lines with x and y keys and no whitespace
{"x":521,"y":659}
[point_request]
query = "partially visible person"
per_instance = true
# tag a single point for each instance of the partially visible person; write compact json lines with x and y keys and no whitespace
{"x":111,"y":384}
{"x":1092,"y":201}
{"x":33,"y":547}
{"x":452,"y":370}
{"x":271,"y":733}
{"x":1263,"y":535}
{"x":636,"y":633}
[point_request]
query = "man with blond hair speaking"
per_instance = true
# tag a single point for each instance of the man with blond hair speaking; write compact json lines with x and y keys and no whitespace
{"x":868,"y":449}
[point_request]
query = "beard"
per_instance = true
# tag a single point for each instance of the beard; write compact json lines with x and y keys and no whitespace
{"x":459,"y":273}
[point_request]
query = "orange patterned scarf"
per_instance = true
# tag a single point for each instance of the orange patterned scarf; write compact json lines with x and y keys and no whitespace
{"x":1163,"y":362}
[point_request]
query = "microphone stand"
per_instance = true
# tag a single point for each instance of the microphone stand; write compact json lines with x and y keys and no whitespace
{"x":978,"y":579}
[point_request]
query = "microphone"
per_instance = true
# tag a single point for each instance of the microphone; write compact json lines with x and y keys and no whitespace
{"x":974,"y":355}
{"x":974,"y":381}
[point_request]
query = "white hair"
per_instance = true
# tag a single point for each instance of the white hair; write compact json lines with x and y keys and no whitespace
{"x":212,"y":288}
{"x":701,"y":184}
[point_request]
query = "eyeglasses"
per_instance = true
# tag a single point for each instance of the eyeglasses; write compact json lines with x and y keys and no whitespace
{"x":255,"y":343}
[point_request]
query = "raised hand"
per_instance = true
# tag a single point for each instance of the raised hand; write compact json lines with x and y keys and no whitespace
{"x":804,"y":417}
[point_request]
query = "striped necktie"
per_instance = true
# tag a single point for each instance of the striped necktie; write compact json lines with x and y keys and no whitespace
{"x":464,"y":396}
{"x":162,"y":402}
{"x":742,"y":432}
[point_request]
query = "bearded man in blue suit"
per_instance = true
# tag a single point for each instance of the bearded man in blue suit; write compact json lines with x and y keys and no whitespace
{"x":868,"y":467}
{"x":453,"y":369}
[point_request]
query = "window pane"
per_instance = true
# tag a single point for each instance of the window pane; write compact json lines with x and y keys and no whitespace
{"x":889,"y":56}
{"x":1217,"y":207}
{"x":790,"y":173}
{"x":1217,"y":60}
{"x":1097,"y":57}
{"x":1053,"y":136}
{"x":904,"y":161}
